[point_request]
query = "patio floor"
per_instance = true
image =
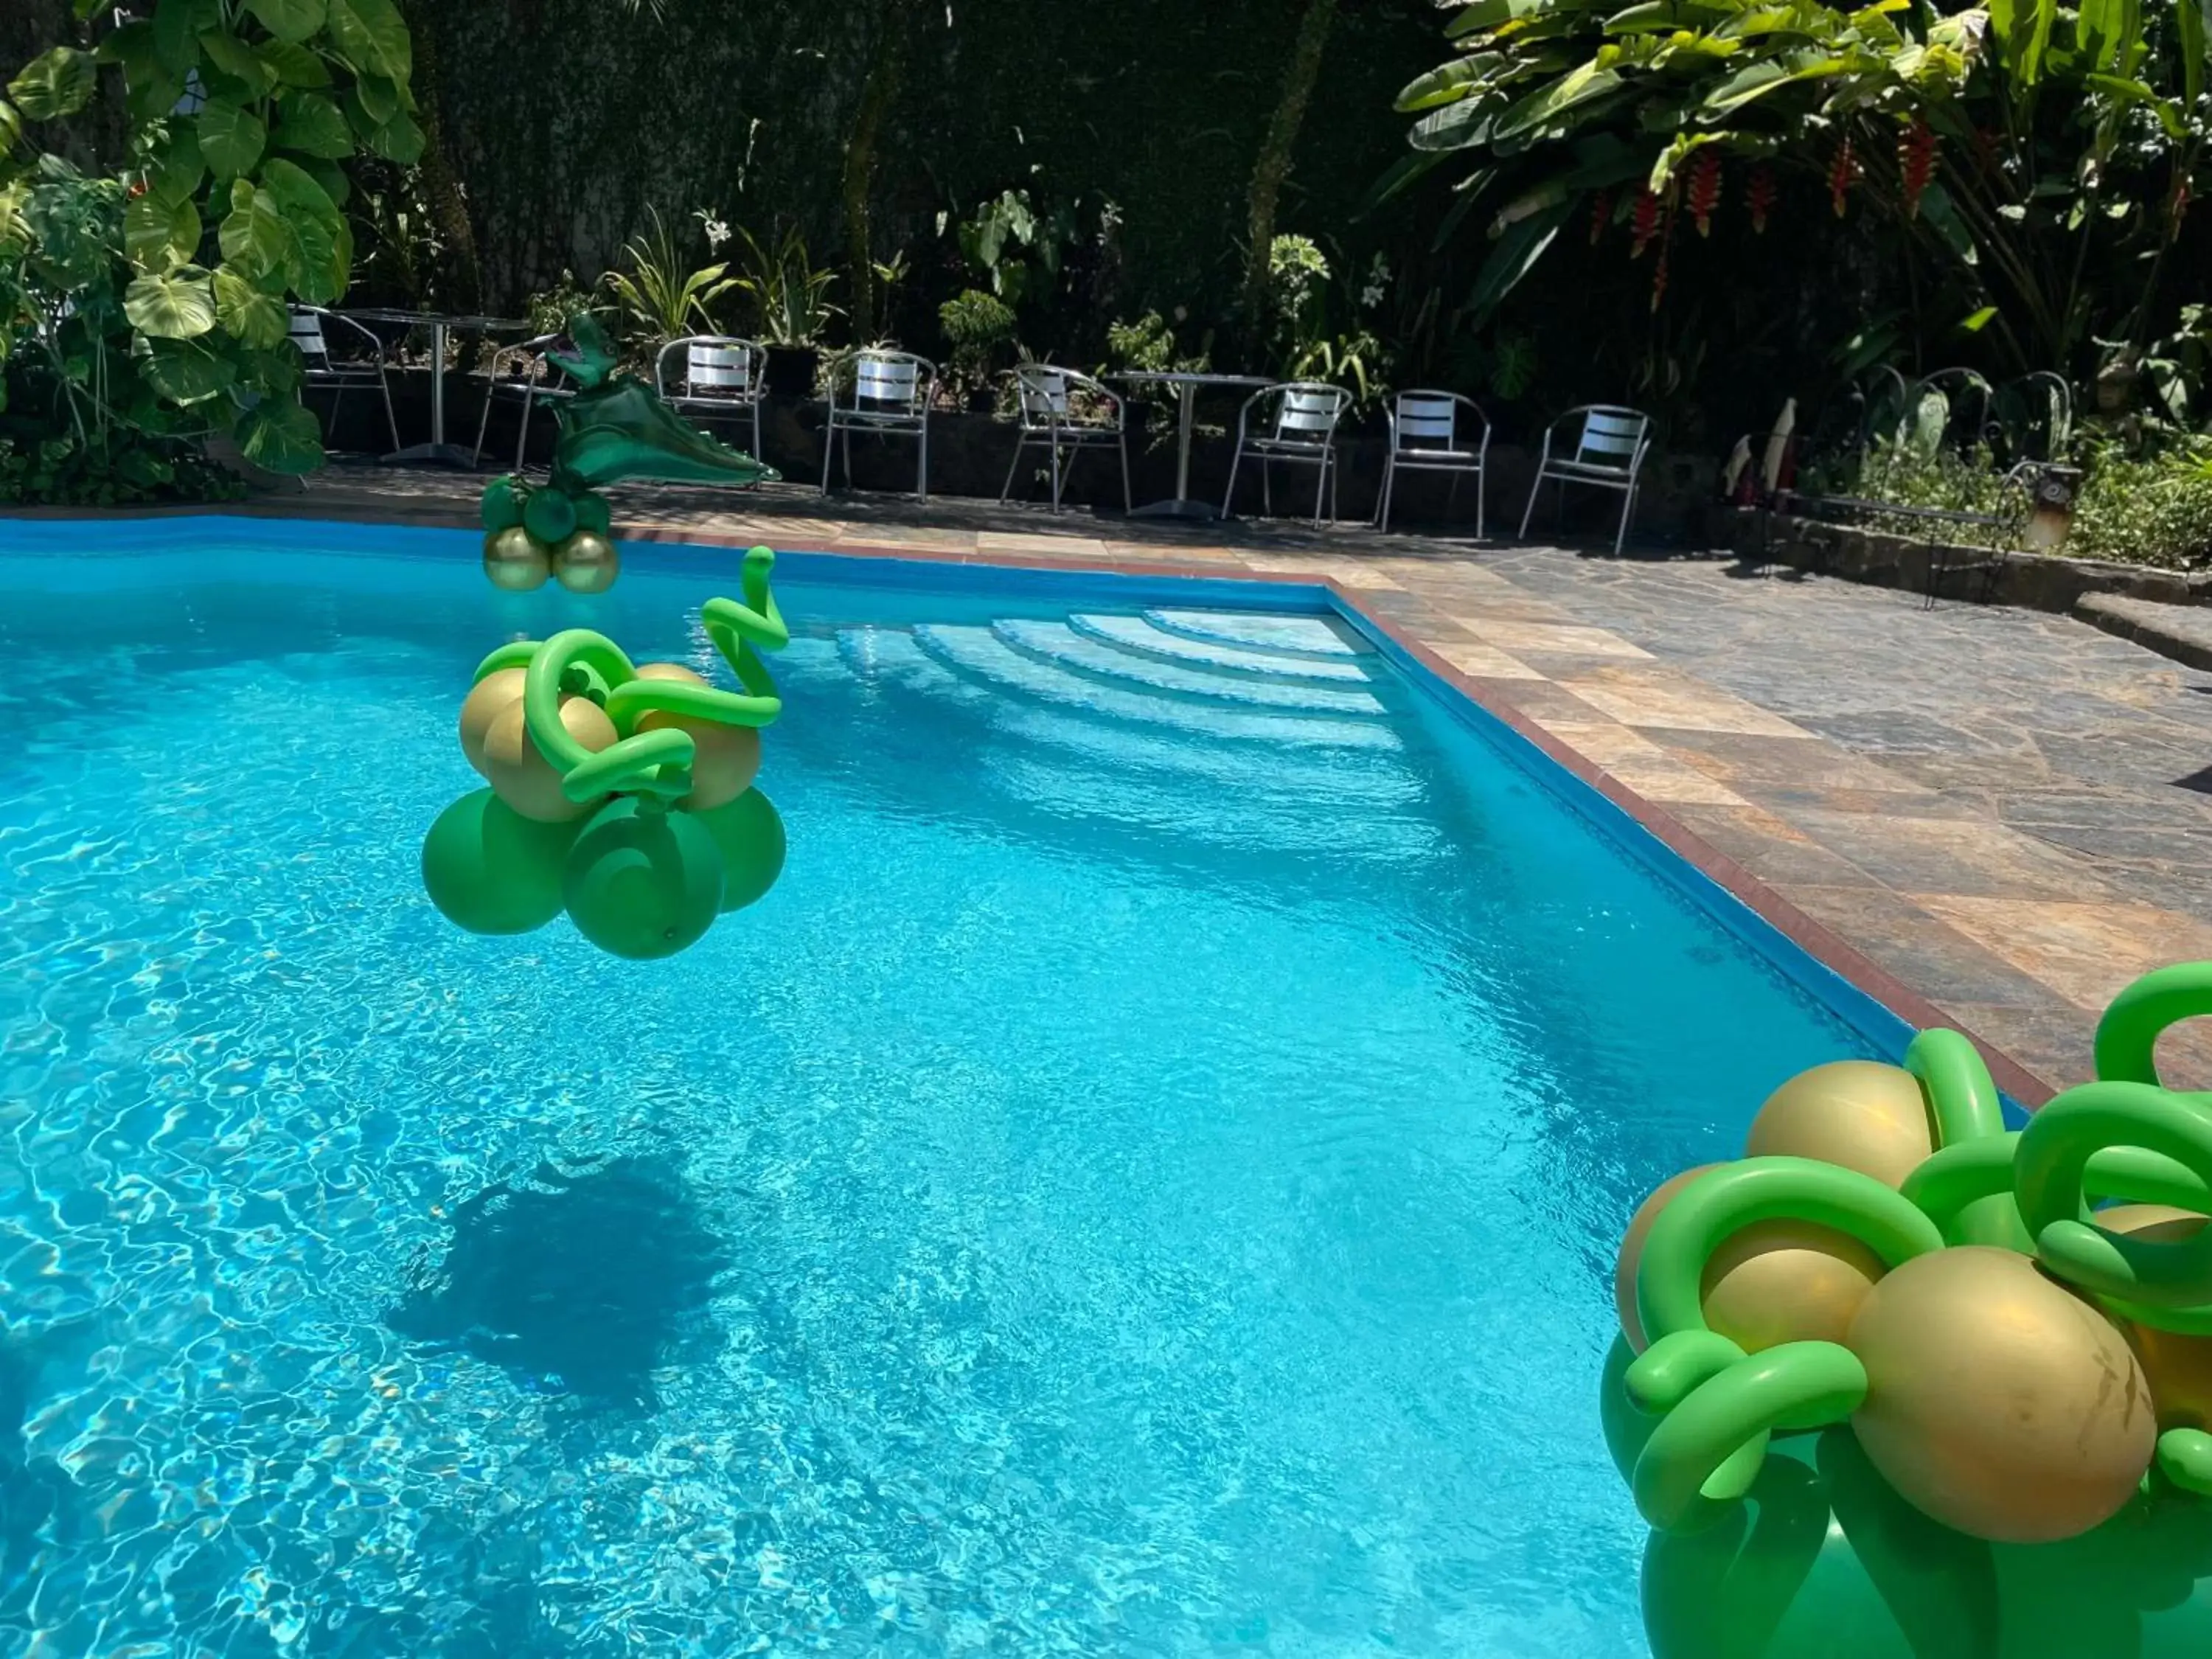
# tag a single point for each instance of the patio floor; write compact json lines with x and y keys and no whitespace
{"x":1991,"y":817}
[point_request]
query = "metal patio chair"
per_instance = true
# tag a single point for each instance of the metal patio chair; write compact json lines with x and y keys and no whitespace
{"x":532,"y":385}
{"x":721,"y":375}
{"x":1425,"y":436}
{"x":1298,"y":421}
{"x":1608,"y":454}
{"x":312,"y":327}
{"x":1063,"y":409}
{"x":891,"y":395}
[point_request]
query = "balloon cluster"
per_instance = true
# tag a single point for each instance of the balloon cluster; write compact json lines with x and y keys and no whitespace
{"x":532,"y":532}
{"x":2004,"y":1333}
{"x":621,"y":794}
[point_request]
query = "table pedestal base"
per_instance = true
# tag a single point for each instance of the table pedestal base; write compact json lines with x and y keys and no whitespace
{"x":1189,"y":512}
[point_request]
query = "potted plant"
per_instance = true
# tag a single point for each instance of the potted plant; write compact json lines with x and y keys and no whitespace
{"x":791,"y":297}
{"x":978,"y":327}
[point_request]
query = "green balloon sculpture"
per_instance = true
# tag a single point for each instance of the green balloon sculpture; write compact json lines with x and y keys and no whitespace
{"x":1903,"y":1383}
{"x":614,"y":427}
{"x":622,"y":794}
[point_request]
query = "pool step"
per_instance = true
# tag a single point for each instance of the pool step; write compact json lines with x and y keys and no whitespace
{"x":1137,"y":634}
{"x":1302,"y":636}
{"x":1062,"y":647}
{"x":979,"y":653}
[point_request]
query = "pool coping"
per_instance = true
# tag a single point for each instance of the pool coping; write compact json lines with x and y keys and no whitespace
{"x":1850,"y":984}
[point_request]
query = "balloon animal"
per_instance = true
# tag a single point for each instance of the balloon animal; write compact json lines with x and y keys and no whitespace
{"x":614,"y":427}
{"x":621,"y":794}
{"x":1902,"y":1381}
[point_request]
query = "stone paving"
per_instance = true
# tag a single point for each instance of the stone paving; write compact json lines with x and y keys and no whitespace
{"x":1999,"y":813}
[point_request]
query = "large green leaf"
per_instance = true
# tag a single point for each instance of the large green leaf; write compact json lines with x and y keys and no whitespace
{"x":2130,"y":91}
{"x":239,"y":61}
{"x":2189,"y":30}
{"x":1489,"y":14}
{"x":176,"y":170}
{"x":310,"y":125}
{"x":187,"y":371}
{"x":398,"y":140}
{"x":231,"y":139}
{"x":1445,"y":85}
{"x":321,"y":265}
{"x":373,"y":37}
{"x":160,"y":231}
{"x":280,"y":435}
{"x":294,"y":65}
{"x":177,"y":26}
{"x":1584,"y":85}
{"x":255,"y":236}
{"x":292,"y":20}
{"x":1514,"y":255}
{"x":54,"y":84}
{"x":246,"y":315}
{"x":177,"y":305}
{"x":378,"y":101}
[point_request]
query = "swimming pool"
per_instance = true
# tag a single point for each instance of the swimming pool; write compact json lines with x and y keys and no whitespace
{"x":1143,"y":1182}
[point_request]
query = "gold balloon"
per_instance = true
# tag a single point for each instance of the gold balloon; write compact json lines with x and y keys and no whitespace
{"x":728,"y":757}
{"x":1858,"y":1112}
{"x":524,"y":779}
{"x":1774,"y":1281}
{"x":1631,"y":1252}
{"x":487,"y":700}
{"x":514,"y":559}
{"x":587,"y":562}
{"x":2179,"y":1367}
{"x":1998,"y":1402}
{"x":1787,"y":1281}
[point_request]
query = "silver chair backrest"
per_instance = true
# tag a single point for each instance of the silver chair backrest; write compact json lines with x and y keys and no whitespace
{"x":887,"y":382}
{"x":307,"y":332}
{"x":1308,"y":415}
{"x":724,"y":371}
{"x":1426,"y":422}
{"x":1611,"y":437}
{"x":1044,"y":396}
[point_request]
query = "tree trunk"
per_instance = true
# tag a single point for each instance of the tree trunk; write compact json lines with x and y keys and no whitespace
{"x":440,"y":181}
{"x":1274,"y":163}
{"x":878,"y":97}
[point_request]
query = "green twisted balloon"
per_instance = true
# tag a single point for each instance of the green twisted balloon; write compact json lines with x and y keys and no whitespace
{"x":656,"y":765}
{"x":2127,"y":1035}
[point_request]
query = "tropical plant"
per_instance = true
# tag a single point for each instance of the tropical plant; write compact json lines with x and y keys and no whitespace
{"x":2035,"y":162}
{"x":1297,"y":279}
{"x":550,"y":309}
{"x":1006,"y":233}
{"x":660,"y":298}
{"x":155,"y":304}
{"x":790,"y":295}
{"x":1149,"y":342}
{"x":979,"y":328}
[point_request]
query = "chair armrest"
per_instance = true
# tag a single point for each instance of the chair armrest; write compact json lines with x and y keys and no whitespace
{"x":375,"y":340}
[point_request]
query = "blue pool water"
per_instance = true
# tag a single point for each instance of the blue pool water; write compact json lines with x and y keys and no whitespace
{"x":1143,"y":1183}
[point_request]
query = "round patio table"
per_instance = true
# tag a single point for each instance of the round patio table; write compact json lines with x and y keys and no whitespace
{"x":1187,"y":386}
{"x":439,"y":326}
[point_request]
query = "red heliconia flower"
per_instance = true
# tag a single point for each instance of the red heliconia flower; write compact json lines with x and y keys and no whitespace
{"x":1915,"y":163}
{"x":1704,"y":190}
{"x":1601,"y":214}
{"x":1843,"y":173}
{"x":1759,"y":196}
{"x":1659,"y":272}
{"x":137,"y":188}
{"x":1644,"y":223}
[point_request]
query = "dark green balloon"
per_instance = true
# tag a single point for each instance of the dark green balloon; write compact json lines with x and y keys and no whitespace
{"x":549,"y":516}
{"x":750,"y":833}
{"x":502,"y":505}
{"x":643,"y":884}
{"x":490,"y":869}
{"x":593,"y":513}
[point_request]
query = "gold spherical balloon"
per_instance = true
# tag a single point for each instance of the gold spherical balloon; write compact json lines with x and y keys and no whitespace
{"x":1858,"y":1112}
{"x":1631,"y":1252}
{"x":726,"y":761}
{"x":487,"y":700}
{"x":514,"y":559}
{"x":2179,"y":1367}
{"x":1787,"y":1281}
{"x":1998,"y":1402}
{"x":586,"y":563}
{"x":524,"y":779}
{"x":669,"y":671}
